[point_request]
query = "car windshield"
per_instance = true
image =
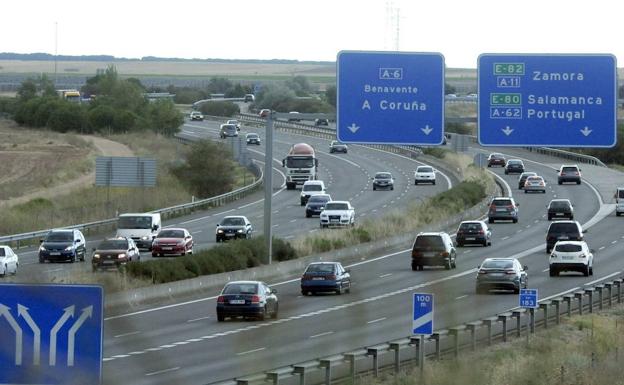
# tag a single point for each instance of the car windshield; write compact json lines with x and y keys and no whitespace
{"x":383,"y":176}
{"x":171,"y":234}
{"x":233,"y":222}
{"x":527,"y":174}
{"x":563,"y":228}
{"x":497,"y":264}
{"x":559,"y":204}
{"x":336,"y":206}
{"x":424,"y":169}
{"x":312,"y":187}
{"x":319,"y":199}
{"x":60,"y":236}
{"x":429,"y":241}
{"x":568,"y":248}
{"x":307,"y":162}
{"x":113,"y":244}
{"x":253,"y":136}
{"x":138,"y":222}
{"x":228,"y":127}
{"x":321,"y":268}
{"x":241,"y":288}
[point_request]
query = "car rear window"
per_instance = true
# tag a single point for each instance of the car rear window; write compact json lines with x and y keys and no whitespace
{"x":563,"y":228}
{"x":514,"y":162}
{"x":312,"y":187}
{"x":429,"y":242}
{"x":501,"y":202}
{"x":559,"y":204}
{"x":321,"y":268}
{"x":620,"y":194}
{"x":570,"y":169}
{"x":424,"y":169}
{"x":318,"y":199}
{"x":470,"y":226}
{"x":497,"y":264}
{"x":568,"y":248}
{"x":241,"y":288}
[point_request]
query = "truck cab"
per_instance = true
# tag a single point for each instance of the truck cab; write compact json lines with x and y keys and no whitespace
{"x":301,"y":165}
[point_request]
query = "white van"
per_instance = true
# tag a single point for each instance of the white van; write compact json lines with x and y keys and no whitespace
{"x":619,"y":200}
{"x":141,"y":227}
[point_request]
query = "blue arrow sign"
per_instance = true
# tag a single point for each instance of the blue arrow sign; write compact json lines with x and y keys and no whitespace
{"x":422,"y":319}
{"x":51,"y":334}
{"x":390,"y":97}
{"x":528,"y":298}
{"x":547,"y":100}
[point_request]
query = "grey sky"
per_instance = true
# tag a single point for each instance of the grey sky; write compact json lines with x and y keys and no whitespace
{"x":310,"y":30}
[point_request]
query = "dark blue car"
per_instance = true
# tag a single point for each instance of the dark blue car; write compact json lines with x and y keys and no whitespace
{"x":325,"y":277}
{"x":247,"y":299}
{"x":316,"y":204}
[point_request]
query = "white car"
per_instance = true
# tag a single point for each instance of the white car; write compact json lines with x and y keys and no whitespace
{"x":424,"y":174}
{"x":571,"y":256}
{"x":234,"y":122}
{"x":337,"y":213}
{"x":8,"y":261}
{"x":311,"y":188}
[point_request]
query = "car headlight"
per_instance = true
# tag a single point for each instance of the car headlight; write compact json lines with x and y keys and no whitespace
{"x":181,"y":243}
{"x":240,"y":230}
{"x":219,"y":231}
{"x":122,"y":255}
{"x":41,"y":248}
{"x":69,"y":248}
{"x":144,"y":238}
{"x":96,"y":256}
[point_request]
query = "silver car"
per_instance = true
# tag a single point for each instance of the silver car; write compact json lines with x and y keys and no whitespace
{"x":501,"y":274}
{"x":535,"y":183}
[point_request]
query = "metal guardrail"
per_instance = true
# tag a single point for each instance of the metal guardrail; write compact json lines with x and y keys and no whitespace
{"x":386,"y":356}
{"x":165,"y":212}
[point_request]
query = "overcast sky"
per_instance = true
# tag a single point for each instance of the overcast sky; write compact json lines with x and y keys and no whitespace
{"x":310,"y":30}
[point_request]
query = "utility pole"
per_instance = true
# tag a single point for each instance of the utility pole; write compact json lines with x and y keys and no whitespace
{"x":55,"y":54}
{"x":268,"y":186}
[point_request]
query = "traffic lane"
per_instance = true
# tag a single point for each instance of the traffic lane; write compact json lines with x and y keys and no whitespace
{"x":469,"y":256}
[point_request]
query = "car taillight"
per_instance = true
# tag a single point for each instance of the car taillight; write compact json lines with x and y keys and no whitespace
{"x":582,"y":256}
{"x":444,"y":254}
{"x":331,"y":276}
{"x":510,"y":272}
{"x":541,"y":183}
{"x":221,"y":299}
{"x":481,"y":232}
{"x":492,"y":207}
{"x":255,"y":299}
{"x":510,"y":207}
{"x":416,"y":254}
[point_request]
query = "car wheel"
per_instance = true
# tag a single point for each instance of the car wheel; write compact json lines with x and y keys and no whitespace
{"x":392,"y":188}
{"x":454,"y":265}
{"x":525,"y":191}
{"x":220,"y":317}
{"x":571,"y":217}
{"x":448,"y":265}
{"x":304,"y":293}
{"x":275,"y":312}
{"x":617,"y":214}
{"x":490,"y":220}
{"x":339,"y":290}
{"x":578,"y":182}
{"x":415,"y":183}
{"x":586,"y":271}
{"x":479,"y":289}
{"x":591,"y":270}
{"x":348,"y":289}
{"x":308,"y":215}
{"x":374,"y":188}
{"x":414,"y":267}
{"x":73,"y":258}
{"x":550,"y":218}
{"x":560,"y":182}
{"x":263,"y":315}
{"x":217,"y":239}
{"x":190,"y":251}
{"x":515,"y":220}
{"x":41,"y":260}
{"x":516,"y":290}
{"x":552,"y":272}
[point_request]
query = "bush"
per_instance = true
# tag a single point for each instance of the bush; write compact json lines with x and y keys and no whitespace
{"x":67,"y":117}
{"x":217,"y":108}
{"x":435,"y":152}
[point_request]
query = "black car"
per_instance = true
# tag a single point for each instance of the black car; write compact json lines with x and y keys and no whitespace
{"x":433,"y":249}
{"x":63,"y":245}
{"x":336,"y":146}
{"x":114,"y":252}
{"x":383,"y":180}
{"x":514,"y":166}
{"x":560,"y":208}
{"x":325,"y":277}
{"x":316,"y":204}
{"x":247,"y":299}
{"x":473,"y":232}
{"x":321,"y":122}
{"x":233,"y":227}
{"x":523,"y":177}
{"x":563,"y":231}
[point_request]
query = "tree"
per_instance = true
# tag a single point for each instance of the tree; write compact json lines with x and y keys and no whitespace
{"x":330,"y":95}
{"x":300,"y":85}
{"x":219,"y":108}
{"x":165,"y":117}
{"x":67,"y":117}
{"x":207,"y":170}
{"x":27,"y":90}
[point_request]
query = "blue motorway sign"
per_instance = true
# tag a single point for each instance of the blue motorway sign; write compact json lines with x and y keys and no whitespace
{"x":390,"y":97}
{"x":528,"y":298}
{"x":422,"y":314}
{"x":547,"y":100}
{"x":51,"y":334}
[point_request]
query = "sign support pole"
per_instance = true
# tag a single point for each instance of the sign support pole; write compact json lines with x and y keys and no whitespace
{"x":268,"y":187}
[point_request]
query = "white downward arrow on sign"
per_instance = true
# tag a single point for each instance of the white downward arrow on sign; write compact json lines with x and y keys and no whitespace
{"x":507,"y":130}
{"x":586,"y":131}
{"x":427,"y":130}
{"x":353,"y":128}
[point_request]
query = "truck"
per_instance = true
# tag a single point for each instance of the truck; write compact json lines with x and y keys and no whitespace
{"x":69,"y":95}
{"x":141,"y":227}
{"x":301,"y":165}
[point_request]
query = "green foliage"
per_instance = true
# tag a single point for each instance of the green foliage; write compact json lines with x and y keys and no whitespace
{"x":165,"y":117}
{"x":207,"y":170}
{"x":186,"y":95}
{"x":219,"y":108}
{"x":330,"y":95}
{"x":67,"y":117}
{"x":449,"y":89}
{"x":300,"y":85}
{"x":281,"y":98}
{"x":435,"y":152}
{"x":464,"y":195}
{"x":8,"y":105}
{"x":230,"y":256}
{"x":101,"y":117}
{"x":458,"y":128}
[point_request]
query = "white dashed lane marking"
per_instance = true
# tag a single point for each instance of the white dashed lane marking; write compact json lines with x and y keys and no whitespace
{"x":163,"y":371}
{"x":250,"y":351}
{"x":321,"y":334}
{"x":376,"y":320}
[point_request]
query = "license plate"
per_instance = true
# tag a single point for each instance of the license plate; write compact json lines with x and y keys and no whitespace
{"x":108,"y":262}
{"x":564,"y":237}
{"x":501,"y":210}
{"x":496,"y":274}
{"x":471,"y":238}
{"x":334,"y":220}
{"x":559,"y":214}
{"x":567,"y":257}
{"x":428,"y":254}
{"x":229,"y":235}
{"x":55,"y":253}
{"x":166,"y":248}
{"x":318,"y":278}
{"x":237,"y":302}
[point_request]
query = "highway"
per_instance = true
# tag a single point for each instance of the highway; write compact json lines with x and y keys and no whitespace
{"x":184,"y":343}
{"x":347,"y":176}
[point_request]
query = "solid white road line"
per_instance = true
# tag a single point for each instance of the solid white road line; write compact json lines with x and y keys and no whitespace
{"x":376,"y":320}
{"x":321,"y":335}
{"x":250,"y":351}
{"x":198,"y":319}
{"x":126,"y":334}
{"x":163,"y":371}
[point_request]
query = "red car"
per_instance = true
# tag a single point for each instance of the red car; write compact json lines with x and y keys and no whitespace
{"x":496,"y":159}
{"x":172,"y":241}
